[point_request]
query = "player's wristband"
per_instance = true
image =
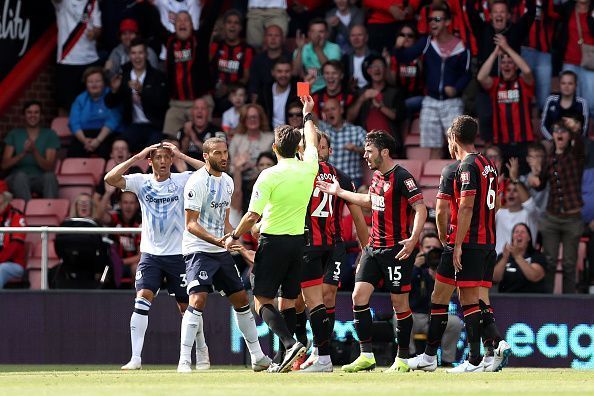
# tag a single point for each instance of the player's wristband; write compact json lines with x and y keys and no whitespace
{"x":308,"y":117}
{"x":233,"y":236}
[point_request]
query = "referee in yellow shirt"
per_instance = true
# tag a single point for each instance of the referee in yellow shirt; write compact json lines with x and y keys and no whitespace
{"x":280,"y":197}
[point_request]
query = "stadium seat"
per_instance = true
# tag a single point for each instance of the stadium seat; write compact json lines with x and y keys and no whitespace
{"x":35,"y":279}
{"x":432,"y":172}
{"x":19,"y":204}
{"x":49,"y":212}
{"x":414,"y":166}
{"x":430,"y":197}
{"x":60,"y":126}
{"x":34,"y":261}
{"x":414,"y":128}
{"x":142,"y":164}
{"x":81,"y":171}
{"x":418,"y":153}
{"x":412,"y":140}
{"x":71,"y":192}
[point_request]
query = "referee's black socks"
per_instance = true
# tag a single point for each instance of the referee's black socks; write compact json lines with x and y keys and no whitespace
{"x":363,"y":325}
{"x":277,"y":324}
{"x":319,"y":326}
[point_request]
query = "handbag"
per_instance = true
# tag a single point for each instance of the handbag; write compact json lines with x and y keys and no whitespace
{"x":587,"y":49}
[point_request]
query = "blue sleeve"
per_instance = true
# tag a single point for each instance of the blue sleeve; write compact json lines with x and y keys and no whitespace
{"x":464,"y":78}
{"x":76,"y":115}
{"x":406,"y":55}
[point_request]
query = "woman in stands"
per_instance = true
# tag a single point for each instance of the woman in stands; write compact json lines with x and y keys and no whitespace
{"x":520,"y":268}
{"x":93,"y":123}
{"x":83,"y":206}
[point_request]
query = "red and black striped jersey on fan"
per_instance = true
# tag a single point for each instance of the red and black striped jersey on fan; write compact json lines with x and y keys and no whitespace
{"x":127,"y":245}
{"x":181,"y":56}
{"x":229,"y":62}
{"x":346,"y":183}
{"x":477,"y":176}
{"x":392,"y":195}
{"x":446,"y":192}
{"x":319,"y":221}
{"x":512,"y":104}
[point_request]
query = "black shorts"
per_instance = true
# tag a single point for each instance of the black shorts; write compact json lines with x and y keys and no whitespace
{"x":380,"y":266}
{"x":278,"y":264}
{"x":153,"y":269}
{"x":207,"y":272}
{"x":475,"y":263}
{"x":489,"y":269}
{"x":332,"y":275}
{"x":315,"y":263}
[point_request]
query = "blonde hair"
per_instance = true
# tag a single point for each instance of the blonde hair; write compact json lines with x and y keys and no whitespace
{"x":264,"y":124}
{"x":75,"y":201}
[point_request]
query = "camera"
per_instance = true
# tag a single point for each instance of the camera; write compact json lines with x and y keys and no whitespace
{"x":432,"y":258}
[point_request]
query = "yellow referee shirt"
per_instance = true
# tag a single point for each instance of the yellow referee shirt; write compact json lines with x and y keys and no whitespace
{"x":282,"y":192}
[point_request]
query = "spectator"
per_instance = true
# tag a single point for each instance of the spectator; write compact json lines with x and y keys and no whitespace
{"x":253,"y":137}
{"x":588,"y":209}
{"x":340,"y":21}
{"x":260,"y":76}
{"x":566,"y":102}
{"x":198,"y":129}
{"x":120,"y":55}
{"x":423,"y":281}
{"x":446,"y":73}
{"x":562,"y":223}
{"x":294,"y":114}
{"x":493,"y":153}
{"x":408,"y":75}
{"x":567,"y":54}
{"x":92,"y":123}
{"x":425,"y":13}
{"x":237,"y":97}
{"x":141,"y":91}
{"x":348,"y":141}
{"x":188,"y":71}
{"x":332,"y":71}
{"x":243,"y":191}
{"x":275,"y":98}
{"x":353,"y":61}
{"x":379,"y":105}
{"x":536,"y":49}
{"x":309,"y":58}
{"x":127,"y":246}
{"x":520,"y":268}
{"x":79,"y":26}
{"x":85,"y":207}
{"x":105,"y":195}
{"x":536,"y":160}
{"x":30,"y":156}
{"x":511,"y":101}
{"x":230,"y":59}
{"x":384,"y":18}
{"x":499,"y":22}
{"x":519,"y":208}
{"x":12,"y":250}
{"x":168,"y":11}
{"x":263,"y":13}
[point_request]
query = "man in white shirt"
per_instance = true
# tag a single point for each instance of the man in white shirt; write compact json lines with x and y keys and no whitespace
{"x":161,"y":200}
{"x":79,"y":26}
{"x":209,"y":266}
{"x":519,"y":208}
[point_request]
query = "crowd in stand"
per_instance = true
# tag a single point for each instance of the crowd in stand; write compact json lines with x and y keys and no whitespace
{"x":130,"y":74}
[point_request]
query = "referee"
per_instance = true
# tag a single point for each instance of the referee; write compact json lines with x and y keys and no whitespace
{"x":280,"y":197}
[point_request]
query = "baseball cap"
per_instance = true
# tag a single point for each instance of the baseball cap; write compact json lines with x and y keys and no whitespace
{"x":128,"y":25}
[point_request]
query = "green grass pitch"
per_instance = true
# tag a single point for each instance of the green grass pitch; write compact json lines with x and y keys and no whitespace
{"x":87,"y":380}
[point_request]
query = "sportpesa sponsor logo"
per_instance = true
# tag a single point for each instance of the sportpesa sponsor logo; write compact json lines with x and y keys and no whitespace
{"x":217,"y":205}
{"x":150,"y":199}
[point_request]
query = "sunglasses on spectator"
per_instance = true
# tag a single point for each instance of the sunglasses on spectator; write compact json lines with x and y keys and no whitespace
{"x":560,"y":129}
{"x":436,"y":19}
{"x":407,"y":35}
{"x":294,"y":114}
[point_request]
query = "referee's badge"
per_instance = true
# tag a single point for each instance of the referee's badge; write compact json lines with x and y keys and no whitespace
{"x":410,"y":184}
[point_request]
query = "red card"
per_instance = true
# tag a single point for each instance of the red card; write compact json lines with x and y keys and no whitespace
{"x":302,"y":89}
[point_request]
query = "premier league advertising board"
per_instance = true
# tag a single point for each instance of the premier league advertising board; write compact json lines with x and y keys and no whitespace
{"x":92,"y":327}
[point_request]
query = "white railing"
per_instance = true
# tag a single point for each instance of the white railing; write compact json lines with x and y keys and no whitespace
{"x":45,"y":231}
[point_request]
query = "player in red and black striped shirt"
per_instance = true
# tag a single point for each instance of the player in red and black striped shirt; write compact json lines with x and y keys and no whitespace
{"x":230,"y":58}
{"x":511,"y":97}
{"x":393,"y":197}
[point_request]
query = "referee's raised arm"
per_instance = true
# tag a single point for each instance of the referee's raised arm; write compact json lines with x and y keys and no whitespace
{"x":309,"y":128}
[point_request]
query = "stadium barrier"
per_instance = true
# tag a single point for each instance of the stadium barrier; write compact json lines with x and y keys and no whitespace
{"x":92,"y":327}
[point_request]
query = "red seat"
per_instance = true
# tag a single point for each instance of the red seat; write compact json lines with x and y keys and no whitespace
{"x":49,"y":212}
{"x":34,"y":261}
{"x":60,"y":126}
{"x":142,"y":164}
{"x":414,"y":166}
{"x":414,"y":128}
{"x":19,"y":204}
{"x":412,"y":140}
{"x":418,"y":153}
{"x":432,"y":172}
{"x":71,"y":192}
{"x":81,"y":171}
{"x":430,"y":197}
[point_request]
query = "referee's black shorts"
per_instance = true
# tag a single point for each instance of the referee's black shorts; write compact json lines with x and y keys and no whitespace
{"x":277,"y":264}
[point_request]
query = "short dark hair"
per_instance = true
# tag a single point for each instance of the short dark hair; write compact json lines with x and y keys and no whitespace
{"x":324,"y":135}
{"x":138,"y":41}
{"x":286,"y":139}
{"x":235,"y":86}
{"x":89,"y":71}
{"x":499,"y":2}
{"x":443,"y":8}
{"x":266,"y":154}
{"x":210,"y":143}
{"x":429,"y":235}
{"x":335,"y":64}
{"x":317,"y":21}
{"x":29,"y":103}
{"x":233,"y":12}
{"x":282,"y":60}
{"x":160,"y":147}
{"x":536,"y":146}
{"x":464,"y":129}
{"x":569,"y":73}
{"x":382,"y":140}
